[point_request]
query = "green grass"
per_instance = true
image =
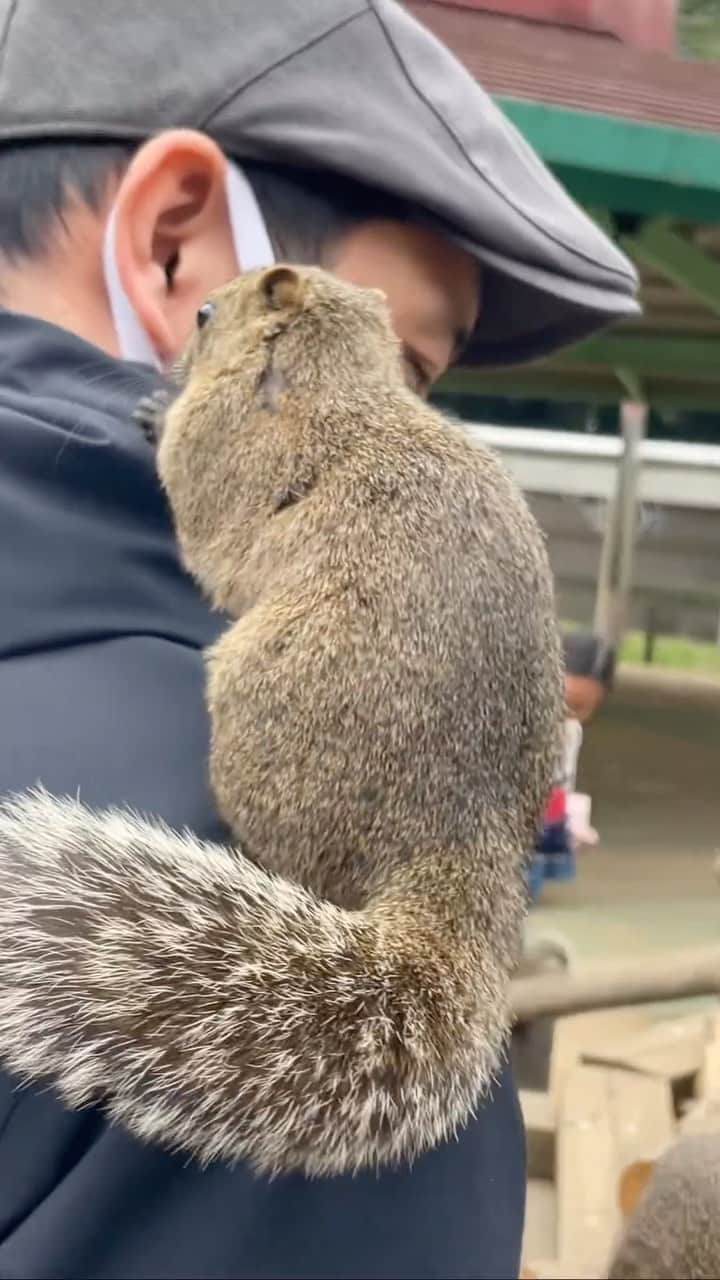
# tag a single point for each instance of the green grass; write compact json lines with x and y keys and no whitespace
{"x":675,"y":652}
{"x":698,"y":28}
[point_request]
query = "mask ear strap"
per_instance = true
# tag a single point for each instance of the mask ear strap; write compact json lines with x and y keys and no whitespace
{"x":253,"y":251}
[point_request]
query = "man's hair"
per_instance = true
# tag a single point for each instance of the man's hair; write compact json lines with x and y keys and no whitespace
{"x":306,"y":211}
{"x":589,"y":655}
{"x":38,"y":181}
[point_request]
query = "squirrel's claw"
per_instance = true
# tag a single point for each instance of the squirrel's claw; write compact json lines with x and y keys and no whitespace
{"x":150,"y":412}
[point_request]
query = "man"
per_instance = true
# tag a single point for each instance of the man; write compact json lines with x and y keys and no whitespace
{"x":355,"y":141}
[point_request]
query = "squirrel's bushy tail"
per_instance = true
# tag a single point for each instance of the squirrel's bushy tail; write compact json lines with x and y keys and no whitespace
{"x":228,"y":1013}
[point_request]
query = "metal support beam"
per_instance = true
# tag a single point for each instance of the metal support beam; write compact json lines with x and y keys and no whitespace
{"x":604,"y":219}
{"x":551,"y":381}
{"x":541,"y":382}
{"x":616,"y":559}
{"x":678,"y":260}
{"x":647,"y":354}
{"x":632,"y":384}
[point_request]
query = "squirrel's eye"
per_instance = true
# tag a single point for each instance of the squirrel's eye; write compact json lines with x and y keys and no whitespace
{"x":206,"y":312}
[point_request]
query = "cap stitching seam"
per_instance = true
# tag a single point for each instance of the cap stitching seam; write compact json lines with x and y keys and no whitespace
{"x":5,"y":37}
{"x":622,"y":275}
{"x":58,"y":129}
{"x":273,"y":66}
{"x":70,"y":128}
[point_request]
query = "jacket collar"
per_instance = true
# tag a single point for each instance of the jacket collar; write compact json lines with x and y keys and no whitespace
{"x":39,"y":357}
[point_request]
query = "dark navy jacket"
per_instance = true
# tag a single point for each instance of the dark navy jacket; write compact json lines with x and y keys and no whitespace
{"x":101,"y":694}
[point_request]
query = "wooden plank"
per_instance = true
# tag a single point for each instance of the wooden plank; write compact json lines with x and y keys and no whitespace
{"x":539,"y":1114}
{"x":540,"y":1236}
{"x":708,"y":1082}
{"x":642,"y":1116}
{"x":702,"y":1113}
{"x":581,"y":1033}
{"x":702,"y":1116}
{"x":607,"y":1117}
{"x":672,"y":1050}
{"x":557,"y":1270}
{"x":588,"y":1216}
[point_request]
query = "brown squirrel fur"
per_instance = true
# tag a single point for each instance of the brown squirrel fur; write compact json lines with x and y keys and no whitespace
{"x":384,"y":713}
{"x":673,"y":1232}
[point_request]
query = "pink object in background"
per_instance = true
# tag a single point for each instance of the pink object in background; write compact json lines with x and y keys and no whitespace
{"x":579,"y":811}
{"x":644,"y":24}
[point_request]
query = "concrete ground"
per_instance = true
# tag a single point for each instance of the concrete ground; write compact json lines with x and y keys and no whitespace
{"x":651,"y":762}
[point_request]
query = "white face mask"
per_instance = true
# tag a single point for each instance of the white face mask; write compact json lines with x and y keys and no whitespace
{"x":252,"y":251}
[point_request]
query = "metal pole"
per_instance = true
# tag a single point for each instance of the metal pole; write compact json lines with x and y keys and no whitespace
{"x":603,"y":592}
{"x":616,"y":563}
{"x":633,"y":419}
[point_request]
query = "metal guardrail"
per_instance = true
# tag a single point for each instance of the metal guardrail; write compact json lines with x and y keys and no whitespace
{"x":571,"y":481}
{"x":577,"y":465}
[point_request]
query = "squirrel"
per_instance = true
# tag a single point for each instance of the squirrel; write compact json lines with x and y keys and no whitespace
{"x":673,"y":1231}
{"x":331,"y":994}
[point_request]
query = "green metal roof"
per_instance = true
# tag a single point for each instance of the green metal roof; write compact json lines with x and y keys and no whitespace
{"x":656,"y":188}
{"x":617,"y":163}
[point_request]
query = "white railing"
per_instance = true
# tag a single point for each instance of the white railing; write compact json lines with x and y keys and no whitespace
{"x":578,"y":465}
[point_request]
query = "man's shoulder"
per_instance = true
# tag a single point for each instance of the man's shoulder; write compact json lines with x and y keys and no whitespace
{"x":83,"y":1209}
{"x":101,"y":668}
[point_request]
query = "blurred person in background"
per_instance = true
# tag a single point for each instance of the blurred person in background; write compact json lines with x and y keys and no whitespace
{"x":589,"y":676}
{"x":148,"y":154}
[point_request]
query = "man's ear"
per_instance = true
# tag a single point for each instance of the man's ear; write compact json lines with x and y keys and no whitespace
{"x":173,"y":240}
{"x":283,"y":288}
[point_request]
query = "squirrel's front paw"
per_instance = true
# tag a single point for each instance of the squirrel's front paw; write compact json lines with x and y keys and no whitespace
{"x":149,"y":413}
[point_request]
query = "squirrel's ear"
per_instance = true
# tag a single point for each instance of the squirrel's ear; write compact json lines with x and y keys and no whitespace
{"x":282,"y":288}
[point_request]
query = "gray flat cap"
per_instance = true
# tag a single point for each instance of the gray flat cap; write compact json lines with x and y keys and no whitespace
{"x":353,"y":85}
